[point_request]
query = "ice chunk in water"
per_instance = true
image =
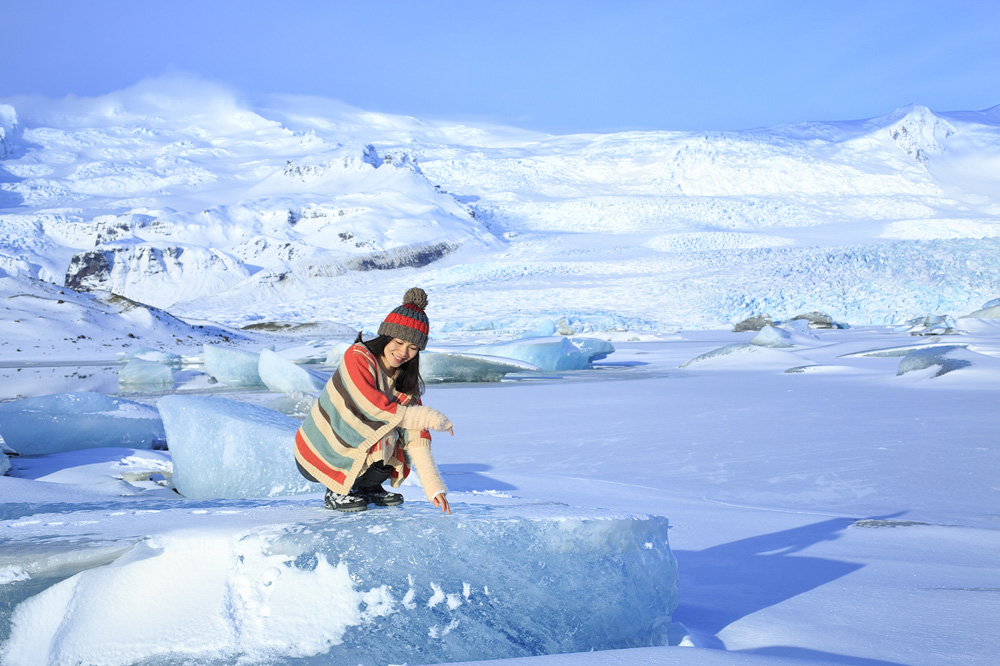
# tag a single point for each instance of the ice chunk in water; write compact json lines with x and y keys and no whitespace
{"x":370,"y":588}
{"x":440,"y":367}
{"x":71,"y":421}
{"x":233,"y":367}
{"x":154,"y":355}
{"x":147,"y":374}
{"x":549,"y":354}
{"x":283,"y":376}
{"x":227,"y":449}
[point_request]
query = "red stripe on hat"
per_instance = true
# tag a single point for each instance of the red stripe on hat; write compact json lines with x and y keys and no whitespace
{"x":395,"y":318}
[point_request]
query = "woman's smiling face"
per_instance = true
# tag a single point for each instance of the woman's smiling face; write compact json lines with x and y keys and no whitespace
{"x":398,"y":352}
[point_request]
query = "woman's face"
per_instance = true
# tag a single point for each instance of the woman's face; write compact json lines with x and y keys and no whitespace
{"x":398,"y":352}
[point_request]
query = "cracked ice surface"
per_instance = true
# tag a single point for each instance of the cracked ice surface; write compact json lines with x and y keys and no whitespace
{"x":384,"y":586}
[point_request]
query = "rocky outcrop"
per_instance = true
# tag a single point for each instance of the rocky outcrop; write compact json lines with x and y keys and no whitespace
{"x":754,"y":323}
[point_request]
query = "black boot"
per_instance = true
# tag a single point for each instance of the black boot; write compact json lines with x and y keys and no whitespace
{"x":369,"y":486}
{"x":350,"y":502}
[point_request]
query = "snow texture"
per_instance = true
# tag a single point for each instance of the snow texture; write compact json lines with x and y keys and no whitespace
{"x":227,"y":449}
{"x":72,"y":421}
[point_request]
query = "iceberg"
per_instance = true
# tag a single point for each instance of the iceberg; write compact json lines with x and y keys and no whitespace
{"x":233,"y":367}
{"x":154,"y":355}
{"x":336,"y":353}
{"x":441,"y":367}
{"x":593,"y":348}
{"x":283,"y":376}
{"x":4,"y":463}
{"x":231,"y":450}
{"x":145,"y":374}
{"x":550,"y":354}
{"x":776,"y":338}
{"x":787,"y":335}
{"x":72,"y":421}
{"x":946,"y":358}
{"x":371,"y":588}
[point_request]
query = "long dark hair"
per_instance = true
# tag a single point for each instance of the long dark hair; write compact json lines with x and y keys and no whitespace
{"x":408,"y":378}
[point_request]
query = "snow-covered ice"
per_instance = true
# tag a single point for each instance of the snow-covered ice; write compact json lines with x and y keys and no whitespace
{"x":70,"y":421}
{"x":227,"y":449}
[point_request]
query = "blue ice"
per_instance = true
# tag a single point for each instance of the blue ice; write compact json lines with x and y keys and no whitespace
{"x":387,"y":586}
{"x":284,"y":376}
{"x":72,"y":421}
{"x":494,"y":582}
{"x":440,"y":367}
{"x":146,"y":374}
{"x":226,"y":449}
{"x":551,"y":353}
{"x":233,"y":367}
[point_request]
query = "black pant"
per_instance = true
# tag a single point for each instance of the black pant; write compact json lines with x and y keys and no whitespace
{"x":372,"y":477}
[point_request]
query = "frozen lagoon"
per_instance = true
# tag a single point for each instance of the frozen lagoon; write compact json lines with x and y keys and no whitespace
{"x":842,"y":515}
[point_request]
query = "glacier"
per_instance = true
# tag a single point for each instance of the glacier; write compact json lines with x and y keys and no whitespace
{"x":72,"y":421}
{"x":875,"y":221}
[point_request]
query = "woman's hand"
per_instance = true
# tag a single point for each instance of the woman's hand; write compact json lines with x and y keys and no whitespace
{"x":441,"y":502}
{"x":420,"y":417}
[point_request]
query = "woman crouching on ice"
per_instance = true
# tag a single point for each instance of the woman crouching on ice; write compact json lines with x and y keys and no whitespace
{"x":368,"y":424}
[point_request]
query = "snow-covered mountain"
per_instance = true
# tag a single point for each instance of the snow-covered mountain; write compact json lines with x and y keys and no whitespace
{"x":180,"y":195}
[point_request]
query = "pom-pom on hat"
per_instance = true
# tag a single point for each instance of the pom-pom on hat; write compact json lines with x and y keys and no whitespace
{"x":408,"y":322}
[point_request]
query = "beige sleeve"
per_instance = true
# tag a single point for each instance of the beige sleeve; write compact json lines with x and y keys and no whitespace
{"x":420,"y":417}
{"x":419,"y":451}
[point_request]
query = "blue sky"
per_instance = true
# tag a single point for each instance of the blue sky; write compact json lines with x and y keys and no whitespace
{"x":558,"y":66}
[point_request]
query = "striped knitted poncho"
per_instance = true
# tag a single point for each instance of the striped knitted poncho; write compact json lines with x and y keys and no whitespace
{"x":357,"y":409}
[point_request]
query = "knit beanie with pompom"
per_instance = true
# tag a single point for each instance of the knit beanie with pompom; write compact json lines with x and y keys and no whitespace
{"x":408,"y":322}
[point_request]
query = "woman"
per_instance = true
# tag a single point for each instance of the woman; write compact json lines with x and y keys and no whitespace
{"x":368,"y":424}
